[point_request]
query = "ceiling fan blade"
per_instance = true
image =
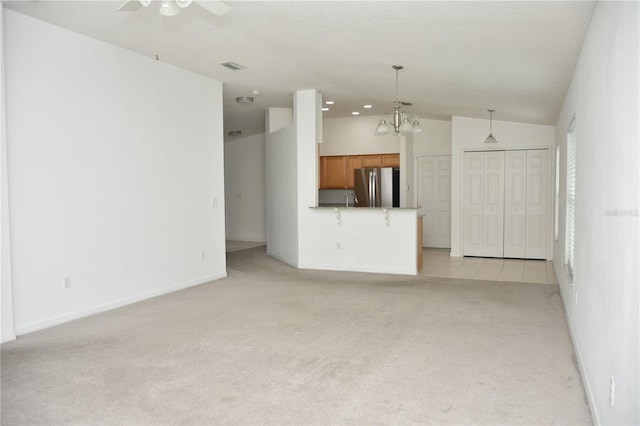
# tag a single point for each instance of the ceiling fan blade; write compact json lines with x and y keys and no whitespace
{"x":216,"y":7}
{"x":130,"y":6}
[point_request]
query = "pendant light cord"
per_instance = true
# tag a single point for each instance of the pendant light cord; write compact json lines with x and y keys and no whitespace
{"x":397,"y":86}
{"x":491,"y":120}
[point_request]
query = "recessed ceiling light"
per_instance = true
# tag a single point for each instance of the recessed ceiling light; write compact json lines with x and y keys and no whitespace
{"x":325,"y":109}
{"x":355,"y":113}
{"x":329,"y":102}
{"x":367,"y":106}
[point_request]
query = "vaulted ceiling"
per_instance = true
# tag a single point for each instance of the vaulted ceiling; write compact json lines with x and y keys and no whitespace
{"x":460,"y":58}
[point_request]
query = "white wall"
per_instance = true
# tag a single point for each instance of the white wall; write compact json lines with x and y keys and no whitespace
{"x":115,"y":174}
{"x":278,"y":118}
{"x":282,"y":195}
{"x":355,"y":136}
{"x":604,"y":96}
{"x":435,"y":138}
{"x":6,"y":297}
{"x":244,"y":177}
{"x":306,"y":105}
{"x":361,"y":239}
{"x":469,"y":134}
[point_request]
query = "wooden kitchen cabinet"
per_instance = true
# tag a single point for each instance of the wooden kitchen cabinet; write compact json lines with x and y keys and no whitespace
{"x":390,"y":160}
{"x":332,"y":172}
{"x":370,"y":161}
{"x":352,"y":162}
{"x":382,"y":160}
{"x":336,"y":171}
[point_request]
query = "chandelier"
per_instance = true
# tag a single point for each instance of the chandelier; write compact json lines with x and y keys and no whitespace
{"x":399,"y":122}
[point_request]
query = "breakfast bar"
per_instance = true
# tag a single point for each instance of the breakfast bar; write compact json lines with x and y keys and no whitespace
{"x":378,"y":239}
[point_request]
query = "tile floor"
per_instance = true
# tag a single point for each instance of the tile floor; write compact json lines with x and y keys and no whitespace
{"x":439,"y":263}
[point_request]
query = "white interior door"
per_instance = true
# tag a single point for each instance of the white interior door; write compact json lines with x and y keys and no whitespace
{"x":434,"y":199}
{"x":537,"y":193}
{"x":473,"y":207}
{"x":505,"y":204}
{"x":483,"y":204}
{"x":515,"y":174}
{"x":493,"y":200}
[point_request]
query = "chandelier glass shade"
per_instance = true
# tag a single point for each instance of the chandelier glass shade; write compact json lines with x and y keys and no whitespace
{"x":400,"y":122}
{"x":490,"y":138}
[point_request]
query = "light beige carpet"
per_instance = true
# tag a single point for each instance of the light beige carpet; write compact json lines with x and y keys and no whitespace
{"x":232,"y":245}
{"x":276,"y":345}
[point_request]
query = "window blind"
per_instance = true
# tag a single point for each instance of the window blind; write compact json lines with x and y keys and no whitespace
{"x":571,"y":198}
{"x":556,"y":213}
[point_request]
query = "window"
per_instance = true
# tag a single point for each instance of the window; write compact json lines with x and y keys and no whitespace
{"x":571,"y":198}
{"x":557,"y":191}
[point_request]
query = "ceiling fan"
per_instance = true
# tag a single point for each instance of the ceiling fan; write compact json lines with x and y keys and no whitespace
{"x":173,"y":7}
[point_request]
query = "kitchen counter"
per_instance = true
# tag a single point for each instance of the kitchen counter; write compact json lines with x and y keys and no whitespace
{"x":332,"y":207}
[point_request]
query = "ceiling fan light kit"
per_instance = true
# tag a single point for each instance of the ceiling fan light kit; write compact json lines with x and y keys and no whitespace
{"x":172,"y":7}
{"x":490,"y":138}
{"x":169,"y":8}
{"x":183,"y":3}
{"x":399,"y":122}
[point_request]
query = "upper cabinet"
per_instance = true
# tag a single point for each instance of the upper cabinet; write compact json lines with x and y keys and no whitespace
{"x":332,"y":172}
{"x":336,"y":171}
{"x":390,"y":160}
{"x":351,"y":163}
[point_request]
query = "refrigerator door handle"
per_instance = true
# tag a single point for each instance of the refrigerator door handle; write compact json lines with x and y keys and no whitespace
{"x":371,"y":191}
{"x":374,"y":188}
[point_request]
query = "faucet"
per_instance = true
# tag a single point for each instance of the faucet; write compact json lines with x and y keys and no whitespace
{"x":355,"y":199}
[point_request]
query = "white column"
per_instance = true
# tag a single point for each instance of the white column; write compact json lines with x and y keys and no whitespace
{"x":6,"y":306}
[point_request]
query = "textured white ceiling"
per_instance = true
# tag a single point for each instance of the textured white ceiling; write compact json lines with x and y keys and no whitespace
{"x":460,"y":58}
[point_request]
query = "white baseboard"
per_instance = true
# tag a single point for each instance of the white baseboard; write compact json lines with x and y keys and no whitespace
{"x":576,"y":348}
{"x":248,"y":240}
{"x":7,"y":337}
{"x":282,"y":259}
{"x":61,"y":319}
{"x":391,"y":271}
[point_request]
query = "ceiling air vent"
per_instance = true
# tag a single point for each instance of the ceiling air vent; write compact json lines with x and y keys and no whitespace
{"x":232,"y":66}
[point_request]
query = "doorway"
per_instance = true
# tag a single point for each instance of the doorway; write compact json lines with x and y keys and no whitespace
{"x":433,"y":192}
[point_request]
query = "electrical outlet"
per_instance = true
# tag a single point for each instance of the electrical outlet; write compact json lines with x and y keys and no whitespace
{"x":201,"y":254}
{"x":214,"y":201}
{"x":67,"y":282}
{"x":338,"y":246}
{"x":612,"y":390}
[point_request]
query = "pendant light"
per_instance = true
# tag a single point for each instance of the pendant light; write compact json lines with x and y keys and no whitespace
{"x":399,"y":122}
{"x":490,"y":138}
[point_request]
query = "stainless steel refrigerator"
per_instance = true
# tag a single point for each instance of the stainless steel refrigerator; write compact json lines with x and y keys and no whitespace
{"x":377,"y":187}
